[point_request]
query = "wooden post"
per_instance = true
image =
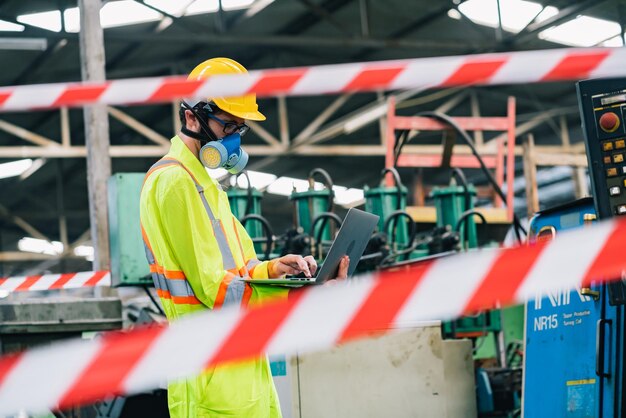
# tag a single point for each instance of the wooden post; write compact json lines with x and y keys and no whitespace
{"x":96,"y":131}
{"x":283,"y":121}
{"x":530,"y":173}
{"x":478,"y":135}
{"x":65,"y":127}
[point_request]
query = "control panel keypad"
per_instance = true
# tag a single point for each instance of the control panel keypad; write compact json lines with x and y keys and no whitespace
{"x":607,"y":138}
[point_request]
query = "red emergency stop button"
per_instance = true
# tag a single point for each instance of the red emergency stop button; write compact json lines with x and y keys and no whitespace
{"x":609,"y":122}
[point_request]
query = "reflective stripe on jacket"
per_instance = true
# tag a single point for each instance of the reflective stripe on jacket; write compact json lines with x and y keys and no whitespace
{"x":198,"y":254}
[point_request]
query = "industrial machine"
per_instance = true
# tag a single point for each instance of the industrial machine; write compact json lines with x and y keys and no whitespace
{"x":313,"y":216}
{"x":575,"y":358}
{"x":245,"y":204}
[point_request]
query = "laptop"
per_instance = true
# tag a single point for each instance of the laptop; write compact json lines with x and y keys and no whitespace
{"x":351,"y":240}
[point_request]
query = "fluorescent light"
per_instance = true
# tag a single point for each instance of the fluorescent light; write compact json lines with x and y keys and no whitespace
{"x":616,"y":41}
{"x":582,"y":31}
{"x":284,"y":186}
{"x":236,"y":4}
{"x":454,"y":14}
{"x":24,"y":44}
{"x":202,"y":6}
{"x":14,"y":168}
{"x":10,"y":27}
{"x":547,"y":13}
{"x":47,"y":20}
{"x":210,"y":6}
{"x":36,"y":165}
{"x":349,"y":197}
{"x":344,"y":196}
{"x":71,"y":17}
{"x":516,"y":14}
{"x":217,"y":173}
{"x":126,"y":12}
{"x":258,"y":179}
{"x":86,"y":251}
{"x":114,"y":14}
{"x":173,"y":7}
{"x":40,"y":246}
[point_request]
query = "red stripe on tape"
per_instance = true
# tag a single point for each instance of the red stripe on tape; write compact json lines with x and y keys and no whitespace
{"x":379,"y":310}
{"x":504,"y":277}
{"x":277,"y":81}
{"x":373,"y":78}
{"x":97,"y":276}
{"x":79,"y":94}
{"x":27,"y":283}
{"x":175,"y":87}
{"x":61,"y":281}
{"x":7,"y":364}
{"x":576,"y":65}
{"x":256,"y":328}
{"x":117,"y":356}
{"x":2,"y":280}
{"x":4,"y":96}
{"x":474,"y":72}
{"x":605,"y":265}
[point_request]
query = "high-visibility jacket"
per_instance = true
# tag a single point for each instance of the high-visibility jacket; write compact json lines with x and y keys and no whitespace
{"x":198,"y":254}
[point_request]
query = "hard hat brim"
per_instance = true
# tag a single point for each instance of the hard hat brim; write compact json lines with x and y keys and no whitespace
{"x":256,"y":116}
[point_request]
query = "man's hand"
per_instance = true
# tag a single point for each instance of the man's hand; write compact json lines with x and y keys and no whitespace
{"x":293,"y":264}
{"x":342,"y":273}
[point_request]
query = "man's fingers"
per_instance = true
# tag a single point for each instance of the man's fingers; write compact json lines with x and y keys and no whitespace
{"x":304,"y":267}
{"x":344,"y":265}
{"x":312,"y":264}
{"x":284,"y":268}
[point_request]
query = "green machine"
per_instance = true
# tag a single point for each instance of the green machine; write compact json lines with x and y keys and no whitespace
{"x":314,"y":208}
{"x":389,"y":203}
{"x":245,"y":204}
{"x":455,"y":209}
{"x":129,"y":266}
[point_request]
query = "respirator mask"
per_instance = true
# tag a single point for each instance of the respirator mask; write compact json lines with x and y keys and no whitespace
{"x":225,"y":152}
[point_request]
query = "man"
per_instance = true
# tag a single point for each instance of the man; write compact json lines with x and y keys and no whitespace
{"x":199,"y":252}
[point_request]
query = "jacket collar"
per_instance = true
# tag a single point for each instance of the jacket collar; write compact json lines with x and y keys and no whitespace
{"x":180,"y":152}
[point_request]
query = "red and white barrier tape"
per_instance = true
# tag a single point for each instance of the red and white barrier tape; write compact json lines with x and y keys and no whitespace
{"x":316,"y":318}
{"x":55,"y":281}
{"x":497,"y":68}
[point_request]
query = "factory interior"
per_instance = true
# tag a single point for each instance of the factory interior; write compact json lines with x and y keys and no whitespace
{"x":467,"y":155}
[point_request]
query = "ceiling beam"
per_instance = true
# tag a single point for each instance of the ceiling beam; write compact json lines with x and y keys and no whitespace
{"x":325,"y":15}
{"x":27,"y":135}
{"x":138,"y":127}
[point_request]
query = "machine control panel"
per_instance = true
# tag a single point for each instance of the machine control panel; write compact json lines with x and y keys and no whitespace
{"x":602,"y":104}
{"x":603,"y":110}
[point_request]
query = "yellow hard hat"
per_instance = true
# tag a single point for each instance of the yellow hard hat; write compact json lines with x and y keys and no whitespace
{"x":244,"y":107}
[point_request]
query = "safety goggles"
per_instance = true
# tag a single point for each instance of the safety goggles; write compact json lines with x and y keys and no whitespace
{"x":230,"y":128}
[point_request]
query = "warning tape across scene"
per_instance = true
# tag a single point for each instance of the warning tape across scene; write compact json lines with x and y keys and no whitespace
{"x":81,"y":372}
{"x":55,"y":281}
{"x":490,"y":69}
